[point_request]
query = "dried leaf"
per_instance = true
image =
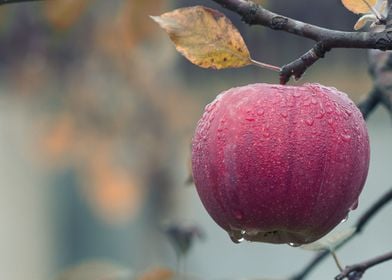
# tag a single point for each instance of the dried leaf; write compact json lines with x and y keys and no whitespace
{"x":330,"y":241}
{"x":359,"y":6}
{"x":363,"y":20}
{"x":205,"y":37}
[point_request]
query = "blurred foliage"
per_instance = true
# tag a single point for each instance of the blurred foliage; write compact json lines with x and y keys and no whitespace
{"x":92,"y":71}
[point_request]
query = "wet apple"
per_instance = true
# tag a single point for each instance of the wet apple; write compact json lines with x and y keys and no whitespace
{"x":280,"y":164}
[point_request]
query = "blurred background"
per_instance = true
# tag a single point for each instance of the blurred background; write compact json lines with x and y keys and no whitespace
{"x":97,"y":111}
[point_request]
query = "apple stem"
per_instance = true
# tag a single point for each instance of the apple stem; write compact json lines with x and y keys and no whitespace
{"x":335,"y":258}
{"x":265,"y":65}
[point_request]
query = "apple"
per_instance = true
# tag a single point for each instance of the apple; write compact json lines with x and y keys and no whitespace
{"x":280,"y":164}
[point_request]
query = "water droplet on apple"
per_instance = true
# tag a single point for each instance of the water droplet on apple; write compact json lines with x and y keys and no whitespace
{"x":345,"y":136}
{"x":348,"y":112}
{"x":284,"y":114}
{"x":292,"y":244}
{"x":237,"y":236}
{"x":329,"y":108}
{"x":250,"y":119}
{"x":354,"y":206}
{"x":320,"y":115}
{"x":236,"y":240}
{"x":238,"y":214}
{"x":260,"y":112}
{"x":309,"y":122}
{"x":297,"y":93}
{"x":344,"y":220}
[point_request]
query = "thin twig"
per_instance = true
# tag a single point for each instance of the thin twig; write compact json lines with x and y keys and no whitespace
{"x":3,"y":2}
{"x":356,"y":271}
{"x":326,"y":39}
{"x":371,"y":101}
{"x":360,"y":225}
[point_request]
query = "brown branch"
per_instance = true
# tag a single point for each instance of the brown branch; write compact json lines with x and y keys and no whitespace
{"x":3,"y":2}
{"x":356,"y":271}
{"x":371,"y":101}
{"x":298,"y":67}
{"x":359,"y":225}
{"x":326,"y":39}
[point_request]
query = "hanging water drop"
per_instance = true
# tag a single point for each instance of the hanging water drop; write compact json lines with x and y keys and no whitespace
{"x":345,"y":219}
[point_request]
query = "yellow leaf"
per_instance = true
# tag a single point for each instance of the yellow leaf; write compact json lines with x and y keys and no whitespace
{"x":359,"y":6}
{"x":205,"y":37}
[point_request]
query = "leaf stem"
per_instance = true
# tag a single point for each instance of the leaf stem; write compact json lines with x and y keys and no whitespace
{"x":265,"y":65}
{"x":374,"y":11}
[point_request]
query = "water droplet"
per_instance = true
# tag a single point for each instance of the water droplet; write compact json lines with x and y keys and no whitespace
{"x":345,"y":137}
{"x":250,"y":119}
{"x":237,"y":236}
{"x":309,"y":122}
{"x":284,"y":114}
{"x":210,"y":107}
{"x":320,"y":115}
{"x":314,"y":100}
{"x":266,"y":134}
{"x":238,"y":214}
{"x":260,"y":112}
{"x":297,"y":93}
{"x":292,"y":244}
{"x":354,"y":206}
{"x":329,"y":108}
{"x":348,"y":112}
{"x":236,"y":240}
{"x":345,"y":219}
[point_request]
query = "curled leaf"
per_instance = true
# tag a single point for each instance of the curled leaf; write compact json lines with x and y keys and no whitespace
{"x":363,"y":20}
{"x":206,"y":37}
{"x":330,"y":241}
{"x":359,"y":6}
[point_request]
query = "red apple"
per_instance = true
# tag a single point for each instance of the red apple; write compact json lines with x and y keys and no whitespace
{"x":280,"y":164}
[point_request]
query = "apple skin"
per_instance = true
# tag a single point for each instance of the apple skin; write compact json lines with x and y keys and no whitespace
{"x":280,"y":164}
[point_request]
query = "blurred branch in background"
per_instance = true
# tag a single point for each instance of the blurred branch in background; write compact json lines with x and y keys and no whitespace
{"x":3,"y":2}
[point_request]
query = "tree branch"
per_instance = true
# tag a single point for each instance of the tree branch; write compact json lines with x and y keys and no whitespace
{"x":360,"y":225}
{"x":3,"y":2}
{"x":298,"y":67}
{"x":371,"y":101}
{"x":356,"y":271}
{"x":326,"y":39}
